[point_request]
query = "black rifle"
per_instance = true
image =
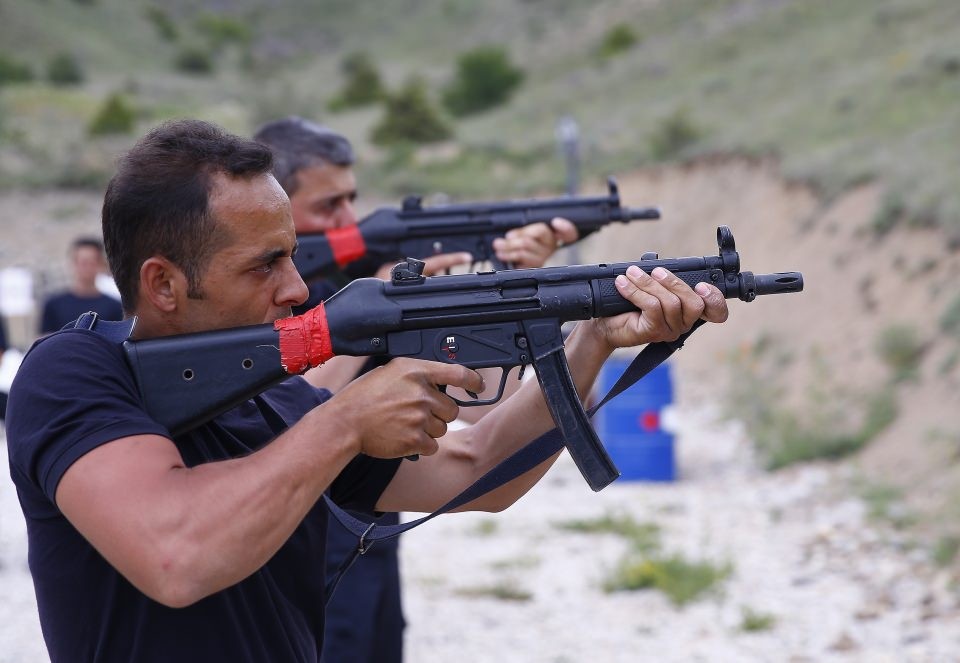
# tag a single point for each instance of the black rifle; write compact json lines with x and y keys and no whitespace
{"x":414,"y":231}
{"x":500,"y":318}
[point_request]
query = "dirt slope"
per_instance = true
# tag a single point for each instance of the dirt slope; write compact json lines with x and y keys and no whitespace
{"x":856,"y":286}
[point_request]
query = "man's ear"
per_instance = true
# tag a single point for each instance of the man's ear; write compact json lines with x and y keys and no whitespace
{"x":162,"y":283}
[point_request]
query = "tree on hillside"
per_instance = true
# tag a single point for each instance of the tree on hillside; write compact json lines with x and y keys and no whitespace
{"x":363,"y":85}
{"x":116,"y":116}
{"x":14,"y":71}
{"x":618,"y":39}
{"x":485,"y":78}
{"x":410,"y":117}
{"x":64,"y":69}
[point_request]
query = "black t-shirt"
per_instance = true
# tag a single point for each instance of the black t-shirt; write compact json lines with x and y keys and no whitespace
{"x":67,"y":307}
{"x":74,"y":392}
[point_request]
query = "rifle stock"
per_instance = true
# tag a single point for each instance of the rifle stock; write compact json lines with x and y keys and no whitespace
{"x":499,"y":318}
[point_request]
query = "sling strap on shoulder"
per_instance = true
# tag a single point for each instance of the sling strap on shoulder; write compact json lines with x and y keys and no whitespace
{"x":116,"y":331}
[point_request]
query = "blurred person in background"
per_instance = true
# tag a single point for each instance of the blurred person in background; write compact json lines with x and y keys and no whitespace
{"x":87,"y":262}
{"x":314,"y":165}
{"x":3,"y":350}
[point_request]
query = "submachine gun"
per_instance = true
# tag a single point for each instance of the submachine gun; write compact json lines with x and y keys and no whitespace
{"x":498,"y":318}
{"x":415,"y":231}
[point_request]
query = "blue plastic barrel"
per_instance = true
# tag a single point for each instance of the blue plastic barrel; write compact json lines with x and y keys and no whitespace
{"x":630,"y":425}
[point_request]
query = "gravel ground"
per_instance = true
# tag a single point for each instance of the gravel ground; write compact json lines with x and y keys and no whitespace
{"x":838,"y":587}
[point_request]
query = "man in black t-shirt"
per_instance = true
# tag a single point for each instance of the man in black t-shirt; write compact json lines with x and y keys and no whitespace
{"x":314,"y":165}
{"x":210,"y":546}
{"x":86,"y":262}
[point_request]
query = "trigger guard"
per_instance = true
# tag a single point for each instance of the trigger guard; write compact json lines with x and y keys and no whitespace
{"x":478,"y":402}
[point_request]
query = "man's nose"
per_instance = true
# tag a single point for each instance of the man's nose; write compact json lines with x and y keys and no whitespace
{"x":346,"y":214}
{"x":293,"y":290}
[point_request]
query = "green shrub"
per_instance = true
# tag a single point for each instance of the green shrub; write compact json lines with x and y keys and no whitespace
{"x":788,"y":439}
{"x":165,"y":27}
{"x":753,"y":621}
{"x":830,"y":423}
{"x":673,"y":134}
{"x":116,"y":116}
{"x":945,"y":550}
{"x":410,"y":117}
{"x":221,"y":30}
{"x":363,"y":85}
{"x":899,"y":347}
{"x":485,"y":78}
{"x":64,"y":69}
{"x":950,"y":318}
{"x":617,"y":39}
{"x":193,"y":60}
{"x":14,"y":71}
{"x":891,"y":211}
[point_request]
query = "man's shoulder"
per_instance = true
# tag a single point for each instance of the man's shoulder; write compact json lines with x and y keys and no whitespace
{"x":69,"y":352}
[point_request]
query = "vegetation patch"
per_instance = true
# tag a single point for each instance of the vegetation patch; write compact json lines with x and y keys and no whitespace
{"x":116,"y":116}
{"x":644,"y":566}
{"x":945,"y":550}
{"x":618,"y":39}
{"x":682,"y":581}
{"x":673,"y":134}
{"x":900,"y":348}
{"x":485,"y":79}
{"x":885,"y":503}
{"x":362,"y":84}
{"x":831,"y":423}
{"x":486,"y":527}
{"x":644,"y":537}
{"x":410,"y":117}
{"x":502,"y":591}
{"x":754,"y":621}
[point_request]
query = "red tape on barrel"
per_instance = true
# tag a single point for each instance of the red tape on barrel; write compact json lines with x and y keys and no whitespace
{"x":346,"y":244}
{"x":304,"y":340}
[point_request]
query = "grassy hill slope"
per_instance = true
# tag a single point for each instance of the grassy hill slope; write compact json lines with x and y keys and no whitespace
{"x":842,"y":92}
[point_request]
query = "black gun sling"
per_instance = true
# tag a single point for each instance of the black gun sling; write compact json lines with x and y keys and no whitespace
{"x":524,"y":460}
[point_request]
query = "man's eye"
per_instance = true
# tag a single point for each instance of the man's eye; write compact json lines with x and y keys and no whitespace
{"x":268,"y":267}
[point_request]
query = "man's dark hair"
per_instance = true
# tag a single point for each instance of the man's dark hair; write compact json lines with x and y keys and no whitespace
{"x":297,"y":144}
{"x":87,"y":241}
{"x":157,"y":202}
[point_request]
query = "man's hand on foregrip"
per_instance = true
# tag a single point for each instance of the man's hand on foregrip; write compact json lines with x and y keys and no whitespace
{"x":532,"y":246}
{"x":668,"y":307}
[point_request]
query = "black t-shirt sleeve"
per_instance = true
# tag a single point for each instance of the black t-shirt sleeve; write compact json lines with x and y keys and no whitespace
{"x":73,"y":392}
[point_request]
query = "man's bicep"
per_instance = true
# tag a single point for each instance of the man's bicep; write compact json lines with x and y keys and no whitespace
{"x":112,"y":493}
